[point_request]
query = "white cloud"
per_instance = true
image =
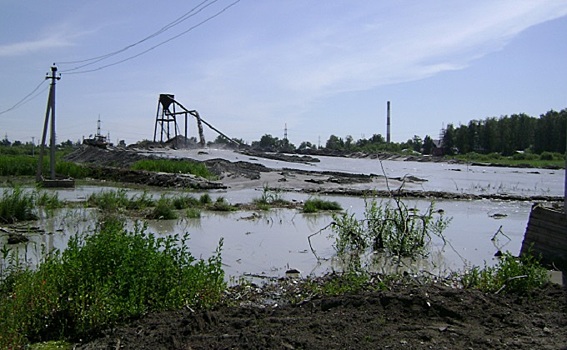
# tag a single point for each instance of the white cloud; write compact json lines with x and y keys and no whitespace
{"x":32,"y":46}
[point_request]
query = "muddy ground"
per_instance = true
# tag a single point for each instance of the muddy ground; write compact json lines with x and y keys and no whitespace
{"x":405,"y":316}
{"x":412,"y":315}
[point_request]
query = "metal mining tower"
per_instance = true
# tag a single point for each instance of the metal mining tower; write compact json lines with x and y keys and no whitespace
{"x":388,"y":122}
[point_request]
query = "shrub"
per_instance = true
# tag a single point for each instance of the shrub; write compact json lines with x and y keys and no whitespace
{"x":546,"y":156}
{"x":101,"y":280}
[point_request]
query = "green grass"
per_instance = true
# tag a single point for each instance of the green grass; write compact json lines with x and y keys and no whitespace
{"x":221,"y":204}
{"x":314,"y":205}
{"x":525,"y":160}
{"x":16,"y":205}
{"x":176,"y":166}
{"x":163,"y":210}
{"x":101,"y":280}
{"x":26,"y":165}
{"x":270,"y":198}
{"x":511,"y":275}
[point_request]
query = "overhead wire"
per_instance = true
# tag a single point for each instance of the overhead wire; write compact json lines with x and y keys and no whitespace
{"x":170,"y":25}
{"x":24,"y":100}
{"x":192,"y":12}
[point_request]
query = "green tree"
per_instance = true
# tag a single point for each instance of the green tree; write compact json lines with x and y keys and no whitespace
{"x":335,"y":143}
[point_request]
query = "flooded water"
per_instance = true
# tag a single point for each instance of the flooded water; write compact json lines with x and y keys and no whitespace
{"x":268,"y":243}
{"x":271,"y":242}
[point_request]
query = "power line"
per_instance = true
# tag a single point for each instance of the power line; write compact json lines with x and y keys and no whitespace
{"x":168,"y":26}
{"x":177,"y":21}
{"x":24,"y":100}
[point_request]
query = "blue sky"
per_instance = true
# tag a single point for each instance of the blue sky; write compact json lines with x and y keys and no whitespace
{"x":321,"y":68}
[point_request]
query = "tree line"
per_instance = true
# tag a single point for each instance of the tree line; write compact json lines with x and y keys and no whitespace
{"x":508,"y":134}
{"x":504,"y":135}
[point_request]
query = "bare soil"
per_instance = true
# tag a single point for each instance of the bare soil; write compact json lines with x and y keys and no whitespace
{"x":408,"y":316}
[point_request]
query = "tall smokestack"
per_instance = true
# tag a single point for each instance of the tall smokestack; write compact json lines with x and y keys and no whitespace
{"x":388,"y":123}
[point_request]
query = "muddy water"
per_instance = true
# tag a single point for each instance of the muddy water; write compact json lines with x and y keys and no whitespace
{"x":268,"y":243}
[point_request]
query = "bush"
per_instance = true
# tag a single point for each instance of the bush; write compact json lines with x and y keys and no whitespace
{"x":546,"y":156}
{"x":101,"y":280}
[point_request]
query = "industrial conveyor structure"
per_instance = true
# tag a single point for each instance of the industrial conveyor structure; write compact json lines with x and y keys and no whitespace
{"x":166,"y":120}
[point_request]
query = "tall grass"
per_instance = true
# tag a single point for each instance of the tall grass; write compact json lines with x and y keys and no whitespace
{"x":511,"y":275}
{"x":101,"y":280}
{"x":26,"y":165}
{"x":391,"y":228}
{"x":314,"y":205}
{"x":16,"y":205}
{"x":175,"y":166}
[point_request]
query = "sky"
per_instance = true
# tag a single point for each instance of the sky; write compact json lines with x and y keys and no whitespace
{"x":253,"y":67}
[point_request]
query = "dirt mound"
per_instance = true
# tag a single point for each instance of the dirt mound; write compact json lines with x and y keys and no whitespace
{"x":407,"y":317}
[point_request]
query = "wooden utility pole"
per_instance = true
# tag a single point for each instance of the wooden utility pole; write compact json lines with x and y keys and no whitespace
{"x":49,"y":115}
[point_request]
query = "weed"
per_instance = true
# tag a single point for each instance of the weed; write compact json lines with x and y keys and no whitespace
{"x":314,"y":205}
{"x":16,"y":205}
{"x":48,"y":200}
{"x":269,"y":198}
{"x":102,"y":279}
{"x":163,"y":210}
{"x":205,"y":199}
{"x":184,"y":202}
{"x":109,"y":200}
{"x":175,"y":166}
{"x":511,"y":275}
{"x":221,"y":204}
{"x":193,"y":213}
{"x":395,"y":230}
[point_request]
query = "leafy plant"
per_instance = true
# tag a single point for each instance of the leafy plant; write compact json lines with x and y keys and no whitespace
{"x":396,"y":230}
{"x":102,"y":279}
{"x":511,"y":275}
